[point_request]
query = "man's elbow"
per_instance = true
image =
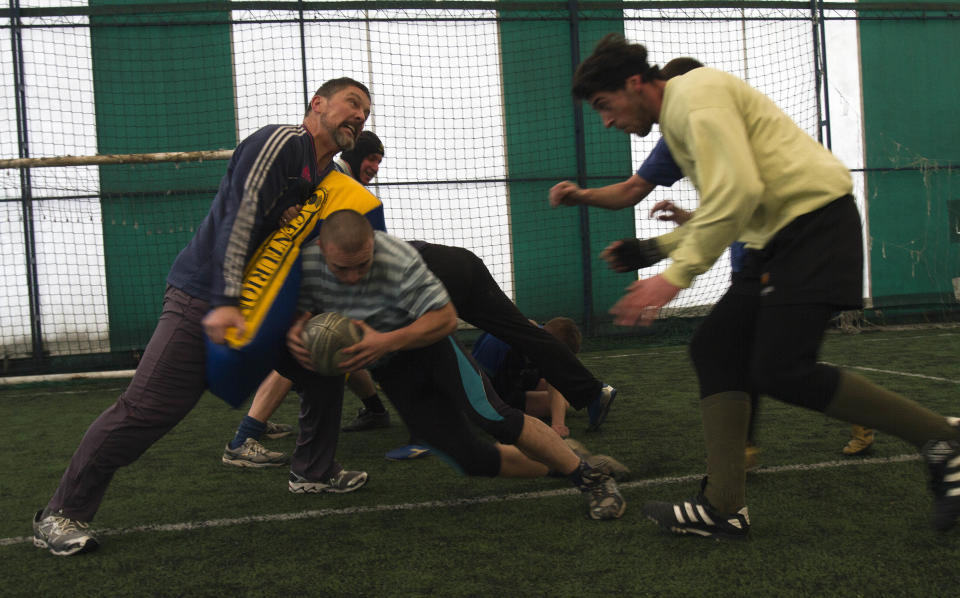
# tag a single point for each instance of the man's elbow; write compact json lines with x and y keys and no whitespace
{"x":449,"y":324}
{"x":638,"y":188}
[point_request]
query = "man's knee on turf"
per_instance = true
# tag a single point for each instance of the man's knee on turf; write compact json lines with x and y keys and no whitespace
{"x":507,"y":429}
{"x":514,"y":463}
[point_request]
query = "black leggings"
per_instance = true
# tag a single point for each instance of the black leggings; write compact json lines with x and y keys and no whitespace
{"x":764,"y":335}
{"x":480,"y":301}
{"x":443,"y":398}
{"x":772,"y":350}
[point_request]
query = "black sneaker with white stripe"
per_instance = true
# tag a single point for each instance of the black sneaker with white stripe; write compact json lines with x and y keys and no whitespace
{"x":943,"y":462}
{"x":697,"y":516}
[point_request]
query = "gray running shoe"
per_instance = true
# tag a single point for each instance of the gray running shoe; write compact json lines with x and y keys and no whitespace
{"x":61,"y":535}
{"x":343,"y":482}
{"x":253,"y":454}
{"x":275,"y":431}
{"x":603,"y":496}
{"x":577,"y":447}
{"x":609,"y":466}
{"x":604,"y":463}
{"x":368,"y":420}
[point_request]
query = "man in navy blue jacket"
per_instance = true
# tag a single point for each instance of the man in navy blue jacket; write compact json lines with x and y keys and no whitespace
{"x":273,"y":169}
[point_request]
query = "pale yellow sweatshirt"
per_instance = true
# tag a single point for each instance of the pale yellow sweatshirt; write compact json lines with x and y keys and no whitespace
{"x":755,"y":170}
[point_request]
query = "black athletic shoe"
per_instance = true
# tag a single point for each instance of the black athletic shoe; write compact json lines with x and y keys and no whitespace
{"x":697,"y":516}
{"x":368,"y":420}
{"x":943,"y":462}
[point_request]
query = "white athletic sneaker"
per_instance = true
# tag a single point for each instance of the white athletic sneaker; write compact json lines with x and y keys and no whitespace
{"x":61,"y":535}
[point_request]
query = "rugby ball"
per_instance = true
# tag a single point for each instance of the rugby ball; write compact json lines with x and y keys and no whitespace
{"x":324,"y":336}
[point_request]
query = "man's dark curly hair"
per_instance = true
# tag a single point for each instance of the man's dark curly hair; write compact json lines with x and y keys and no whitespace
{"x":613,"y":61}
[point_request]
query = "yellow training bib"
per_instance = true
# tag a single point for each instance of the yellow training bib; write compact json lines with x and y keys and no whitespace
{"x":271,"y":263}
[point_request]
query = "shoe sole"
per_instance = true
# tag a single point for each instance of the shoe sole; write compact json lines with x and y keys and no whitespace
{"x":679,"y":530}
{"x":322,"y":490}
{"x":618,"y":515}
{"x":243,"y":464}
{"x":276,"y":435}
{"x":303,"y":489}
{"x":397,"y":455}
{"x":88,"y":546}
{"x":699,"y":533}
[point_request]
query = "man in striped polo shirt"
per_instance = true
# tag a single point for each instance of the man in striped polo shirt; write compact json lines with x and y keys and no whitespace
{"x":407,"y":318}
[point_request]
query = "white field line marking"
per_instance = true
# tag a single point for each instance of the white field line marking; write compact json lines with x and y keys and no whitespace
{"x":28,"y":394}
{"x":894,"y":372}
{"x":623,"y":355}
{"x":895,"y":339}
{"x":4,"y":381}
{"x":440,"y":504}
{"x":109,"y":375}
{"x":849,"y":367}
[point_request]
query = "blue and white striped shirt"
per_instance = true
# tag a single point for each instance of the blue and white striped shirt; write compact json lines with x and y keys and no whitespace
{"x":398,"y":289}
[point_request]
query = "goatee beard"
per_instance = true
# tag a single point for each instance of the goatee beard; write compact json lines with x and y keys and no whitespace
{"x":344,"y":141}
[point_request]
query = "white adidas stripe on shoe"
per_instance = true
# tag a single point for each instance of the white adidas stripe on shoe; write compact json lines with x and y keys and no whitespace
{"x":698,"y":517}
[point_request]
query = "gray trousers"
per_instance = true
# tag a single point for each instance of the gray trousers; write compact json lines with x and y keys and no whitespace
{"x":321,"y":406}
{"x":167,"y":384}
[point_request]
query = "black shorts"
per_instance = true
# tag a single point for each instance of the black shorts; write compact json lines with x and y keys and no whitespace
{"x":816,"y":259}
{"x":442,"y":396}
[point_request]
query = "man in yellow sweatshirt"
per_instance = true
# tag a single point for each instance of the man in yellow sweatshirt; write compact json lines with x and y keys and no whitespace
{"x":765,"y":182}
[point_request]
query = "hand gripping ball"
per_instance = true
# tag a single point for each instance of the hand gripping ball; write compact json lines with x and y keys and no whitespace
{"x":324,"y":336}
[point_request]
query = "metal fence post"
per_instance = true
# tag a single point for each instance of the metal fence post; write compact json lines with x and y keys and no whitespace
{"x":29,"y":240}
{"x":573,"y":8}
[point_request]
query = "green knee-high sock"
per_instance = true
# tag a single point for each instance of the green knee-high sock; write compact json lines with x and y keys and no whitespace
{"x":725,"y":419}
{"x":859,"y":401}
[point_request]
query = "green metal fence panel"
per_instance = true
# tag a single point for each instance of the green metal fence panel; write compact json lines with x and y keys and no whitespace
{"x":541,"y":139}
{"x":145,"y":78}
{"x":911,"y":81}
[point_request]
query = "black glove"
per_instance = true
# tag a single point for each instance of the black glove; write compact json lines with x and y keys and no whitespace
{"x":633,"y":254}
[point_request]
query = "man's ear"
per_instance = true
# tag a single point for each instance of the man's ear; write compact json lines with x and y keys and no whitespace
{"x":318,"y":103}
{"x":633,"y":82}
